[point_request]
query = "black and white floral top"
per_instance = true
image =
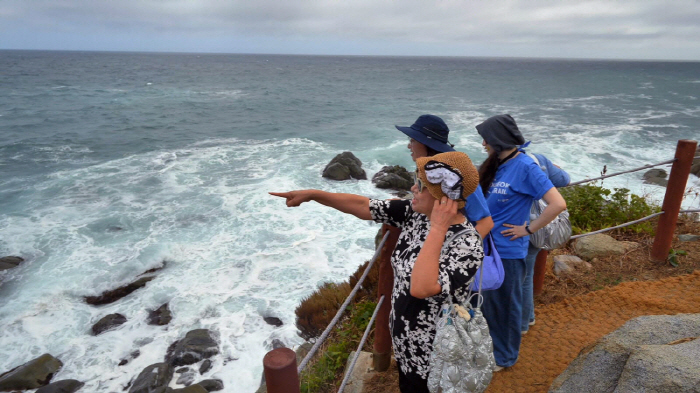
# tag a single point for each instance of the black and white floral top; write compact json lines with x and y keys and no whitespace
{"x":413,"y":320}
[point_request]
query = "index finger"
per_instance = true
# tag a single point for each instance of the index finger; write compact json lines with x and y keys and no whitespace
{"x":279,"y":194}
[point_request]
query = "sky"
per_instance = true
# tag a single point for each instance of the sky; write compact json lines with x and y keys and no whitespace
{"x":610,"y":29}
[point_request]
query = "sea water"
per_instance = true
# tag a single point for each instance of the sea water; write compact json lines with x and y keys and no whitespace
{"x":112,"y":163}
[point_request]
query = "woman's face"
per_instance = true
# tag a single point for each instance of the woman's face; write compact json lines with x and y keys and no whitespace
{"x":422,"y":201}
{"x":487,"y":147}
{"x":417,"y":149}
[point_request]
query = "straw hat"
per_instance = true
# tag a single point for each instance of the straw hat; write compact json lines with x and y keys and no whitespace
{"x":450,"y":174}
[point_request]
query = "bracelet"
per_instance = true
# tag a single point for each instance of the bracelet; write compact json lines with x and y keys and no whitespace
{"x":527,"y":228}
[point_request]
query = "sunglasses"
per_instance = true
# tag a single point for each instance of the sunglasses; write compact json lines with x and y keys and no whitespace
{"x":417,"y":181}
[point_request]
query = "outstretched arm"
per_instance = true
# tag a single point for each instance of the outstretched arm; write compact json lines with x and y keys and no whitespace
{"x":357,"y":205}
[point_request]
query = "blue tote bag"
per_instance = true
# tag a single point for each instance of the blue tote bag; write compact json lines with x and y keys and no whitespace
{"x":492,"y":266}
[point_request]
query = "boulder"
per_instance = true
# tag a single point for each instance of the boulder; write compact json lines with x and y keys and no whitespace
{"x":190,"y":389}
{"x":600,"y":245}
{"x":344,"y":166}
{"x":118,"y":293}
{"x":688,"y":237}
{"x":132,"y":355}
{"x":153,"y":379}
{"x":160,"y":316}
{"x":198,"y":344}
{"x":65,"y":386}
{"x":568,"y":263}
{"x":695,"y":167}
{"x":205,"y":366}
{"x":108,"y":322}
{"x":10,"y":262}
{"x":211,"y":385}
{"x":186,"y":378}
{"x":31,"y":375}
{"x":656,"y":176}
{"x":274,"y":321}
{"x":599,"y":367}
{"x":662,"y":368}
{"x":393,"y":177}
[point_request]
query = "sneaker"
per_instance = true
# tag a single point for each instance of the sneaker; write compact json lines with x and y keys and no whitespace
{"x":524,"y":332}
{"x":497,"y":368}
{"x":531,"y":322}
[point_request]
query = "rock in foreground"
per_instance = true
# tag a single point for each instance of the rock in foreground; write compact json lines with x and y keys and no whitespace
{"x":344,"y":166}
{"x":31,"y":375}
{"x":65,"y":386}
{"x":596,"y":246}
{"x":197,"y":345}
{"x":153,"y":379}
{"x":10,"y":262}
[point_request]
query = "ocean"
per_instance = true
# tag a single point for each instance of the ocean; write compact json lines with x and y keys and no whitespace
{"x":111,"y":163}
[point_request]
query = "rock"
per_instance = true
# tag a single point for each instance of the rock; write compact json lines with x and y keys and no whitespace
{"x":9,"y":262}
{"x":695,"y":167}
{"x":65,"y":386}
{"x":568,"y":263}
{"x":393,"y":177}
{"x":161,"y":316}
{"x":31,"y":375}
{"x":212,"y":385}
{"x":197,"y":345}
{"x":688,"y":237}
{"x":344,"y":166}
{"x":656,"y":176}
{"x":205,"y":366}
{"x":274,"y":321}
{"x":186,"y":378}
{"x":108,"y":322}
{"x":662,"y":368}
{"x":600,"y":245}
{"x":190,"y":389}
{"x":116,"y":294}
{"x":132,"y":356}
{"x":153,"y":379}
{"x":182,"y":370}
{"x":599,"y":366}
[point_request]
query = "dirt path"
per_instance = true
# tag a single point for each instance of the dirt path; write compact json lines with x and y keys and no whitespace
{"x":564,"y":328}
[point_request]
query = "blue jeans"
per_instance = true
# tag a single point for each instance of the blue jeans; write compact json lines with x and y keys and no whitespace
{"x":528,"y":298}
{"x":503,"y":311}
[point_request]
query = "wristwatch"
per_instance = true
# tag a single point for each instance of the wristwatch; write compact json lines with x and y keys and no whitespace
{"x":527,"y":228}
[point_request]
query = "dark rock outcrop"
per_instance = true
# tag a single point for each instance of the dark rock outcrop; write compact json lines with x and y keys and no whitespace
{"x":656,"y":176}
{"x":190,"y":389}
{"x":197,"y":345}
{"x":393,"y":177}
{"x":212,"y":385}
{"x":153,"y":379}
{"x":160,"y":316}
{"x":274,"y":321}
{"x":65,"y":386}
{"x":10,"y":262}
{"x":344,"y":166}
{"x":116,"y":294}
{"x":108,"y":322}
{"x":205,"y":366}
{"x":31,"y":375}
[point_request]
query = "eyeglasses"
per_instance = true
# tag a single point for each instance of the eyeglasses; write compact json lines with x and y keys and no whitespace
{"x":417,"y":181}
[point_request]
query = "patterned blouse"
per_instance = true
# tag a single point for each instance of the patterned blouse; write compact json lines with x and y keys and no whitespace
{"x":412,"y":320}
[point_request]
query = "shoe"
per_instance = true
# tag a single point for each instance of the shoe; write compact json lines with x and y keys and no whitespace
{"x":524,"y":332}
{"x":531,"y":322}
{"x":497,"y":368}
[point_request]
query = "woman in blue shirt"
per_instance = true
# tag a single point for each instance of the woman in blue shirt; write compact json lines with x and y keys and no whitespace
{"x":429,"y":137}
{"x":512,"y":181}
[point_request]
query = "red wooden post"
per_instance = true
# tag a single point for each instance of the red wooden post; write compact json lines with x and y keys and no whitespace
{"x":685,"y":150}
{"x":540,"y":267}
{"x":281,"y":371}
{"x":381,"y":358}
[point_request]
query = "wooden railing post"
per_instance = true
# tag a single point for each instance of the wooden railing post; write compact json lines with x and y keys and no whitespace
{"x":685,"y":151}
{"x":280,"y":367}
{"x":540,"y":268}
{"x":382,"y":336}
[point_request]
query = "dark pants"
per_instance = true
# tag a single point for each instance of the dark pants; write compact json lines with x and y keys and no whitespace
{"x":412,"y":383}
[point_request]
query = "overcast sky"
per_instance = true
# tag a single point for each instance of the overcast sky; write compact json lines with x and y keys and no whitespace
{"x":639,"y":29}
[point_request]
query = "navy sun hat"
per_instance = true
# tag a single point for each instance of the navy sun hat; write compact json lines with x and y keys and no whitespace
{"x":431,"y":131}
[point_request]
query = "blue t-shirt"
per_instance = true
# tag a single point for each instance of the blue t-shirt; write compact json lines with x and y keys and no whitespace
{"x":518,"y":182}
{"x":556,"y":175}
{"x":476,"y":207}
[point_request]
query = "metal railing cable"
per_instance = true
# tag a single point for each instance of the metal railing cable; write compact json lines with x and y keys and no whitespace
{"x":621,"y":173}
{"x":335,"y":319}
{"x":631,"y":223}
{"x":690,"y":211}
{"x":359,"y":347}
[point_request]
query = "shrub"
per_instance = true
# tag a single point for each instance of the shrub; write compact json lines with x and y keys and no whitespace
{"x":316,"y":311}
{"x":593,"y":207}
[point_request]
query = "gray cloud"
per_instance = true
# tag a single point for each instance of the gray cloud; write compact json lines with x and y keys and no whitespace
{"x":647,"y":29}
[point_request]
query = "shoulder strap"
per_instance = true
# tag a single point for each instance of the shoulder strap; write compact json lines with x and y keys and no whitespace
{"x":534,"y":158}
{"x":446,"y":245}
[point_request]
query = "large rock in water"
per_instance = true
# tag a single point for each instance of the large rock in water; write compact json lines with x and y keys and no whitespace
{"x":600,"y":245}
{"x":393,"y":177}
{"x":116,"y":294}
{"x":695,"y":167}
{"x":656,"y":176}
{"x":153,"y":379}
{"x":600,"y":367}
{"x":108,"y":322}
{"x":344,"y":166}
{"x":31,"y":375}
{"x":160,"y":316}
{"x":197,"y":345}
{"x":10,"y":262}
{"x":65,"y":386}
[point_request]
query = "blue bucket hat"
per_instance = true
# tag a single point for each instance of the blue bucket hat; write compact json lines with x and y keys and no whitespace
{"x":431,"y":131}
